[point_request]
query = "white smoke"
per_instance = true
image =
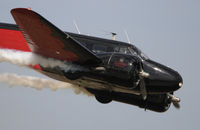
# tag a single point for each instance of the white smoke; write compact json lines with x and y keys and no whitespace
{"x":22,"y":58}
{"x":39,"y":83}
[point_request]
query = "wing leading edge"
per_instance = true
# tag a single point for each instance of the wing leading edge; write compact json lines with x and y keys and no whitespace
{"x":46,"y":39}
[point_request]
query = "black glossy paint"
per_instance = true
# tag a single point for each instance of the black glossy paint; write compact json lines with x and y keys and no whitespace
{"x":156,"y":102}
{"x":9,"y":26}
{"x":162,"y":78}
{"x":121,"y":69}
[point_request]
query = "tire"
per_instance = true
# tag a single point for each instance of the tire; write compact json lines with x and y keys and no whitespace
{"x":103,"y":99}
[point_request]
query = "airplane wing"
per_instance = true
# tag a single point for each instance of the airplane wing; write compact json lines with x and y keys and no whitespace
{"x":47,"y":40}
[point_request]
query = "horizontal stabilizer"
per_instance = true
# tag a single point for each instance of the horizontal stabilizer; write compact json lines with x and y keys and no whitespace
{"x":12,"y":38}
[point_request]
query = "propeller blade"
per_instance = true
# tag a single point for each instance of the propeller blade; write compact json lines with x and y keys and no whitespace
{"x":175,"y":100}
{"x":176,"y":105}
{"x":142,"y":84}
{"x":143,"y":89}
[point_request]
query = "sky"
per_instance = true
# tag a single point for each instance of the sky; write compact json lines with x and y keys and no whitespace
{"x":168,"y":31}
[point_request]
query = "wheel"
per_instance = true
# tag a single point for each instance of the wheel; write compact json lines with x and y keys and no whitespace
{"x":103,"y":99}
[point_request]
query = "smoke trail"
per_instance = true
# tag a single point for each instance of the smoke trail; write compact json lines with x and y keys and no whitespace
{"x":39,"y":83}
{"x":21,"y":58}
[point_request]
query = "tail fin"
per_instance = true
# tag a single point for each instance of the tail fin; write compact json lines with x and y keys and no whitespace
{"x":46,"y":39}
{"x":12,"y":38}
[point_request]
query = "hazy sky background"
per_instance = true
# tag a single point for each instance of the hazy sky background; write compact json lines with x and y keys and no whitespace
{"x":168,"y":31}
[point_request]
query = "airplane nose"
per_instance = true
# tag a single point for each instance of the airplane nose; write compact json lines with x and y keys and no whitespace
{"x":162,"y":78}
{"x":176,"y":78}
{"x":179,"y":80}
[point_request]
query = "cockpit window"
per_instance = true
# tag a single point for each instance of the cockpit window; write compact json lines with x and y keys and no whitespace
{"x":124,"y":50}
{"x":144,"y":56}
{"x":99,"y":48}
{"x":103,"y":47}
{"x":135,"y":51}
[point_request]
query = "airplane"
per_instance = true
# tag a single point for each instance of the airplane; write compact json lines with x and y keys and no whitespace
{"x":111,"y":70}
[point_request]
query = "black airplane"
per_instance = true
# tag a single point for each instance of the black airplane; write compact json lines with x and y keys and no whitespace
{"x":111,"y":70}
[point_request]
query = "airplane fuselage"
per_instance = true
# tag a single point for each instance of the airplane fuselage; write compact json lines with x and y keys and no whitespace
{"x":111,"y":70}
{"x":116,"y":77}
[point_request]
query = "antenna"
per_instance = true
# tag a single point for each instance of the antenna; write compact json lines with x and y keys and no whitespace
{"x":113,"y":35}
{"x":110,"y":33}
{"x":127,"y":36}
{"x":76,"y":27}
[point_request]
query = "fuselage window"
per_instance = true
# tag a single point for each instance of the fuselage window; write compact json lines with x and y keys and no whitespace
{"x":99,"y":48}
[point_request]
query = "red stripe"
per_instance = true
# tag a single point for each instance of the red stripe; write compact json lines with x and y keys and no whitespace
{"x":12,"y":39}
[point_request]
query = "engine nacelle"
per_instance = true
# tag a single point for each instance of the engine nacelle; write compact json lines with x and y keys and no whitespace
{"x":157,"y":103}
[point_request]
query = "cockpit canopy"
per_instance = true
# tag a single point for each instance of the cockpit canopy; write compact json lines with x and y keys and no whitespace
{"x":130,"y":50}
{"x":106,"y":46}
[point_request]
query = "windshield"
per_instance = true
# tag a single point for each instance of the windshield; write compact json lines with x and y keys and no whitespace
{"x":131,"y":50}
{"x":136,"y":51}
{"x":103,"y":48}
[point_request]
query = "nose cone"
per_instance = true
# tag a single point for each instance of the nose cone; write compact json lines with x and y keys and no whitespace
{"x":162,"y":78}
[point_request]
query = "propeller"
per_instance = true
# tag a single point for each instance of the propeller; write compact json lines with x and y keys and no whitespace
{"x":175,"y":101}
{"x":142,"y":84}
{"x":176,"y":105}
{"x":143,"y":90}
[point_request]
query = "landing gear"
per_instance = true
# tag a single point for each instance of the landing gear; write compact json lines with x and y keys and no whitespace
{"x":102,"y":96}
{"x":103,"y":99}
